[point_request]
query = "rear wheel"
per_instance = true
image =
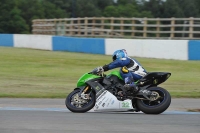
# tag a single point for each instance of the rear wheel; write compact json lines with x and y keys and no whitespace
{"x":159,"y":105}
{"x":77,"y":104}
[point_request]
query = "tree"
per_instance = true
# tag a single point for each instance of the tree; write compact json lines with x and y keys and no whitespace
{"x":189,"y":8}
{"x":197,"y":3}
{"x":156,"y":7}
{"x":102,"y":4}
{"x":17,"y":15}
{"x":64,"y":5}
{"x":34,"y":11}
{"x":125,"y":8}
{"x":110,"y":11}
{"x":11,"y":20}
{"x":17,"y":24}
{"x":39,"y":9}
{"x":172,"y":9}
{"x":52,"y":11}
{"x":87,"y":8}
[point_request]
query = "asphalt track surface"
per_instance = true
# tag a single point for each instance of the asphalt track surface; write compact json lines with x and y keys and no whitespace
{"x":51,"y":116}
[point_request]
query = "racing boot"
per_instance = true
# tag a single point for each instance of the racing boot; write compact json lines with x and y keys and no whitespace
{"x":130,"y":86}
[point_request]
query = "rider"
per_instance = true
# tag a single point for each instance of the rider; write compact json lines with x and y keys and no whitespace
{"x":131,"y":70}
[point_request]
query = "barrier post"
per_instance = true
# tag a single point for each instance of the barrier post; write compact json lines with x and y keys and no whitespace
{"x":172,"y":27}
{"x":111,"y":28}
{"x":79,"y":25}
{"x":86,"y":24}
{"x":158,"y":27}
{"x":71,"y":27}
{"x":93,"y":25}
{"x":145,"y":28}
{"x":133,"y":28}
{"x":102,"y":25}
{"x":191,"y":27}
{"x":121,"y":26}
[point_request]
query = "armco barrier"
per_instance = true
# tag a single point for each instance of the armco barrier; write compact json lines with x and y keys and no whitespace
{"x":194,"y":50}
{"x":164,"y":49}
{"x":6,"y":40}
{"x":43,"y":42}
{"x":85,"y":45}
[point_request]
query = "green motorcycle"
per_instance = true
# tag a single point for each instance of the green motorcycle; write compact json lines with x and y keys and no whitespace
{"x":97,"y":91}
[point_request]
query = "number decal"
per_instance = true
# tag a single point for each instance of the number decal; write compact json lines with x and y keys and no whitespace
{"x":125,"y":105}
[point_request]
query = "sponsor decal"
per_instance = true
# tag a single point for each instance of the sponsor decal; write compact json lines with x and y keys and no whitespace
{"x":155,"y":81}
{"x":101,"y":95}
{"x":99,"y":102}
{"x":112,"y":102}
{"x":96,"y":106}
{"x":97,"y":88}
{"x":103,"y":104}
{"x":103,"y":98}
{"x":106,"y":100}
{"x":144,"y":91}
{"x":108,"y":104}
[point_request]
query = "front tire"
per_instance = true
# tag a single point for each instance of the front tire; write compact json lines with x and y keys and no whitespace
{"x":158,"y":106}
{"x":77,"y":104}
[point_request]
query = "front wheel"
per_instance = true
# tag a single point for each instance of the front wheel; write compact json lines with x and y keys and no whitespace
{"x":157,"y":106}
{"x":77,"y":104}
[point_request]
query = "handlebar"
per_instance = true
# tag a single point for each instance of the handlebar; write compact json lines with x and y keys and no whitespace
{"x":98,"y":71}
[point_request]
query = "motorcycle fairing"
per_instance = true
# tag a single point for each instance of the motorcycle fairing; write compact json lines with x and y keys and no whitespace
{"x":86,"y":77}
{"x":116,"y":73}
{"x":107,"y":101}
{"x":154,"y":78}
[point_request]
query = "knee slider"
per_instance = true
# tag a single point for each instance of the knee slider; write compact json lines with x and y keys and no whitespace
{"x":124,"y":70}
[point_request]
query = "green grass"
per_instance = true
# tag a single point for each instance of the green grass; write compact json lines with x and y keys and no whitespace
{"x":47,"y":74}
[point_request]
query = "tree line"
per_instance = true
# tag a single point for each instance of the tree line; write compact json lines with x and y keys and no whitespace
{"x":16,"y":15}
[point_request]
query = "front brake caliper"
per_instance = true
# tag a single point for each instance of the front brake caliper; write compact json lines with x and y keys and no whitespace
{"x":85,"y":96}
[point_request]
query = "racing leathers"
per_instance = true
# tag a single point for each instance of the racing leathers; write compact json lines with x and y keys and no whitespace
{"x":130,"y":71}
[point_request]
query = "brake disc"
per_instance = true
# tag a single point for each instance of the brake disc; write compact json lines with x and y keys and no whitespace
{"x":78,"y":100}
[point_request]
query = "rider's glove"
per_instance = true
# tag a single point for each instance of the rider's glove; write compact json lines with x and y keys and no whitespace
{"x":100,"y":69}
{"x":105,"y":67}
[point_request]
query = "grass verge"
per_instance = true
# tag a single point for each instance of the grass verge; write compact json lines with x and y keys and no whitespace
{"x":28,"y":73}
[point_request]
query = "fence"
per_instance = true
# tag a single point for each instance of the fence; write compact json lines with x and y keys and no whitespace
{"x":155,"y":28}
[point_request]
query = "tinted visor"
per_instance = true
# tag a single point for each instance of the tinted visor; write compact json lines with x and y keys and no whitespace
{"x":114,"y":57}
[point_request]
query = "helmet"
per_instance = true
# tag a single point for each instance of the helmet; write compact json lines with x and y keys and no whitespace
{"x":119,"y":54}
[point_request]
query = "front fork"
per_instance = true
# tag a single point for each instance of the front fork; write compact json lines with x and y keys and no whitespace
{"x":91,"y":87}
{"x":83,"y":93}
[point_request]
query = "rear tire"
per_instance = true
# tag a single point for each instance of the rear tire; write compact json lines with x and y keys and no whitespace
{"x":77,"y":104}
{"x":158,"y":106}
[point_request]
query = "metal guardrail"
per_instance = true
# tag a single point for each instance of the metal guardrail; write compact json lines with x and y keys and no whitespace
{"x":155,"y":28}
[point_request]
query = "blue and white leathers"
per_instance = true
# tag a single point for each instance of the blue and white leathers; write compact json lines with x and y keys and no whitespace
{"x":136,"y":71}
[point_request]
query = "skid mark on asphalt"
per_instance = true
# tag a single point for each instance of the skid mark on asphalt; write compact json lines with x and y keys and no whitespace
{"x":66,"y":110}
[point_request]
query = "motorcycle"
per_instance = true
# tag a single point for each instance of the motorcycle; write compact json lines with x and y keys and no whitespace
{"x":97,"y":91}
